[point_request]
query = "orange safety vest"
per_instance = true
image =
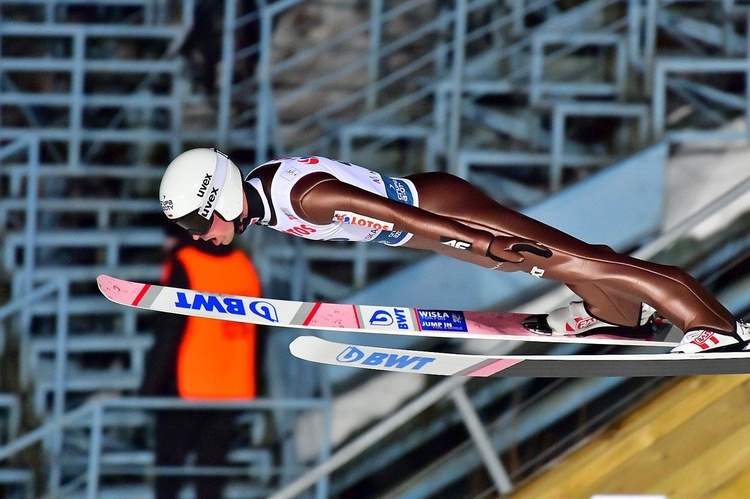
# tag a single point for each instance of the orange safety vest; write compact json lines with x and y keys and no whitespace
{"x":216,"y":359}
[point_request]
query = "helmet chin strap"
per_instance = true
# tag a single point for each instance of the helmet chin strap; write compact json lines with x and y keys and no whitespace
{"x":241,"y":224}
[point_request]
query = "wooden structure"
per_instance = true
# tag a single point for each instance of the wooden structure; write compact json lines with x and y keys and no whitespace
{"x":692,"y":440}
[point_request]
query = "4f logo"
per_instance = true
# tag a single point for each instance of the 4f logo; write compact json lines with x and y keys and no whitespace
{"x":455,"y":243}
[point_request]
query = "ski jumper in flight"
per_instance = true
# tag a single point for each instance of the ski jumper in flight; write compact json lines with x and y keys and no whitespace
{"x":324,"y":199}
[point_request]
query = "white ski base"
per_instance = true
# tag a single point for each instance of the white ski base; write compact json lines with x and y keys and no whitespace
{"x":316,"y":349}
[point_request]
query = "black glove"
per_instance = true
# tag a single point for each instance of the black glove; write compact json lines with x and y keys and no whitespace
{"x":508,"y":249}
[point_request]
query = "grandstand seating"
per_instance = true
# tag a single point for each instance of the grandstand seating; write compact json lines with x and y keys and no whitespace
{"x":18,"y":482}
{"x":97,"y":97}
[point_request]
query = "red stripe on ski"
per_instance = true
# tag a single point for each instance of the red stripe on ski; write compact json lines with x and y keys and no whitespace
{"x":416,"y":319}
{"x":356,"y":316}
{"x":142,"y":292}
{"x":312,"y":313}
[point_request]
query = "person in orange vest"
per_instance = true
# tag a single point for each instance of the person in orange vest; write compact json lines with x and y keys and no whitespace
{"x":200,"y":359}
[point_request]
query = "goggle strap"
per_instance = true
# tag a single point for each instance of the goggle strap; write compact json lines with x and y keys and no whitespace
{"x":218,"y":178}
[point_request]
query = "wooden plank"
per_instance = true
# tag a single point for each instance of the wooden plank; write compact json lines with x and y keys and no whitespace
{"x":735,"y":487}
{"x":675,"y":449}
{"x":605,"y":455}
{"x":709,"y":469}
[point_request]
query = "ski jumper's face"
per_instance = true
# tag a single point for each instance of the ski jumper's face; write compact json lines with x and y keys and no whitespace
{"x":221,"y":231}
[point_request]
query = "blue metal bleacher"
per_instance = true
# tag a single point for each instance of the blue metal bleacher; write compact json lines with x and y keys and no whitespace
{"x":543,"y":103}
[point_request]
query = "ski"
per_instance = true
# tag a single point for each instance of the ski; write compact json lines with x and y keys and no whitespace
{"x":345,"y":317}
{"x":314,"y":349}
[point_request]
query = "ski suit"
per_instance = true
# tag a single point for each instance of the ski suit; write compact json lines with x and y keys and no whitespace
{"x":323,"y":199}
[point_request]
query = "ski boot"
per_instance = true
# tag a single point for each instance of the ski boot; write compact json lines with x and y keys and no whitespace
{"x":575,"y":320}
{"x":706,"y":340}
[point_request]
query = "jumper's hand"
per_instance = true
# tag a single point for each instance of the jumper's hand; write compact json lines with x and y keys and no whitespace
{"x":508,"y":249}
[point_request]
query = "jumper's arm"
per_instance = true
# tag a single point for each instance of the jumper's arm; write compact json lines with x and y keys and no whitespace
{"x":317,"y":196}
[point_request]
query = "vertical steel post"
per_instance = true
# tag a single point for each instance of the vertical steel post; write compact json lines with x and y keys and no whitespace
{"x":649,"y":48}
{"x":558,"y":148}
{"x":29,"y":251}
{"x":77,"y":92}
{"x":264,"y":83}
{"x":373,"y":62}
{"x":95,"y":451}
{"x":459,"y":56}
{"x":225,"y":77}
{"x":58,"y":404}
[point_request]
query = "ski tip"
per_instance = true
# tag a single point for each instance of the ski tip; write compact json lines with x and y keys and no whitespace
{"x":121,"y":291}
{"x":109,"y":286}
{"x":301,"y":345}
{"x":103,"y":279}
{"x":105,"y":284}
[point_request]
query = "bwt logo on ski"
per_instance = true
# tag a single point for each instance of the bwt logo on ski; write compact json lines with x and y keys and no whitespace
{"x":385,"y":318}
{"x":441,"y":320}
{"x":353,"y":355}
{"x":227,"y":305}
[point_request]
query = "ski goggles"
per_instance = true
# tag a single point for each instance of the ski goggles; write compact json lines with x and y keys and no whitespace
{"x":199,"y":222}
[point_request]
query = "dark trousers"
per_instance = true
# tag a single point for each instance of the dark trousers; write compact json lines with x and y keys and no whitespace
{"x":208,"y":433}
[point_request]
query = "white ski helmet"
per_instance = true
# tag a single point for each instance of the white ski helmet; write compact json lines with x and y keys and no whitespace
{"x":197,"y":184}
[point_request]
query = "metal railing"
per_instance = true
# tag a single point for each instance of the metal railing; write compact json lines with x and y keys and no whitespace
{"x":92,"y":415}
{"x":78,"y":65}
{"x":18,"y":308}
{"x":431,"y":112}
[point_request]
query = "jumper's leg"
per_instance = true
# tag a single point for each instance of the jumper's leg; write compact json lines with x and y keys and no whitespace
{"x":612,"y":285}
